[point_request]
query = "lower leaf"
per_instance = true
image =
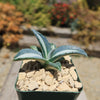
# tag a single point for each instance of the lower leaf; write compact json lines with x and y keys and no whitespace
{"x":54,"y":66}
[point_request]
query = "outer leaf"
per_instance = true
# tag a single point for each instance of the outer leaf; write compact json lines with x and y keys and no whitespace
{"x":54,"y":66}
{"x":66,"y":50}
{"x":33,"y":54}
{"x":29,"y":54}
{"x":34,"y":48}
{"x":45,"y":45}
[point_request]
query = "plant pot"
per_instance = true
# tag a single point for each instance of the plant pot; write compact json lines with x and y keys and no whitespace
{"x":30,"y":95}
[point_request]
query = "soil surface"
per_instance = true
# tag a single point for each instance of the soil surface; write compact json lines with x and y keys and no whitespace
{"x":87,"y":68}
{"x":33,"y":77}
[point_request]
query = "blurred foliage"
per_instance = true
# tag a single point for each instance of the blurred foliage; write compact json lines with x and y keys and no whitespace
{"x":10,"y":22}
{"x":51,"y":1}
{"x":94,"y":4}
{"x":61,"y":1}
{"x":9,"y":1}
{"x":88,"y":25}
{"x":62,"y":15}
{"x":75,"y":15}
{"x":11,"y":39}
{"x":35,"y":12}
{"x":81,"y":3}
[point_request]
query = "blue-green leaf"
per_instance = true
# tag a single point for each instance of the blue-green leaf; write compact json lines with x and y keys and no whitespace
{"x":53,"y":47}
{"x":45,"y":45}
{"x":66,"y":50}
{"x":54,"y":66}
{"x":34,"y":47}
{"x":29,"y":54}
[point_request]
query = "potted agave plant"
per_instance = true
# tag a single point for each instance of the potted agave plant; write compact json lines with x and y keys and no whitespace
{"x":47,"y":71}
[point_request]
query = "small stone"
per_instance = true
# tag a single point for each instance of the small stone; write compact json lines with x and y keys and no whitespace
{"x":66,"y":78}
{"x":25,"y":87}
{"x":38,"y":78}
{"x":63,"y":72}
{"x":44,"y":87}
{"x":66,"y":70}
{"x":32,"y":85}
{"x":49,"y":80}
{"x":78,"y":84}
{"x":43,"y":75}
{"x":27,"y":82}
{"x":31,"y":79}
{"x":42,"y":70}
{"x":63,"y":87}
{"x":22,"y":89}
{"x":74,"y":89}
{"x":73,"y":74}
{"x":48,"y":73}
{"x":71,"y":82}
{"x":52,"y":88}
{"x":40,"y":83}
{"x":30,"y":74}
{"x":21,"y":76}
{"x":39,"y":75}
{"x":20,"y":83}
{"x":56,"y":82}
{"x":59,"y":77}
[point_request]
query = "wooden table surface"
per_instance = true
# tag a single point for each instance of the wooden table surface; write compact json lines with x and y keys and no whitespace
{"x":8,"y":91}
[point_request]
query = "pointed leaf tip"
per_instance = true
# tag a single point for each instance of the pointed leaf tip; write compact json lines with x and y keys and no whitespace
{"x":66,"y":50}
{"x":28,"y":54}
{"x":45,"y":45}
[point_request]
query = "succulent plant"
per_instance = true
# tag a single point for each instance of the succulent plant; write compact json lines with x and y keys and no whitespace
{"x":49,"y":55}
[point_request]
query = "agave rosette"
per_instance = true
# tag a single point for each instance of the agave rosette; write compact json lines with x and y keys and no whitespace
{"x":49,"y":55}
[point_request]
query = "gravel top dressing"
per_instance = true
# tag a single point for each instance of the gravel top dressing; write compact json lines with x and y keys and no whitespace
{"x":32,"y":77}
